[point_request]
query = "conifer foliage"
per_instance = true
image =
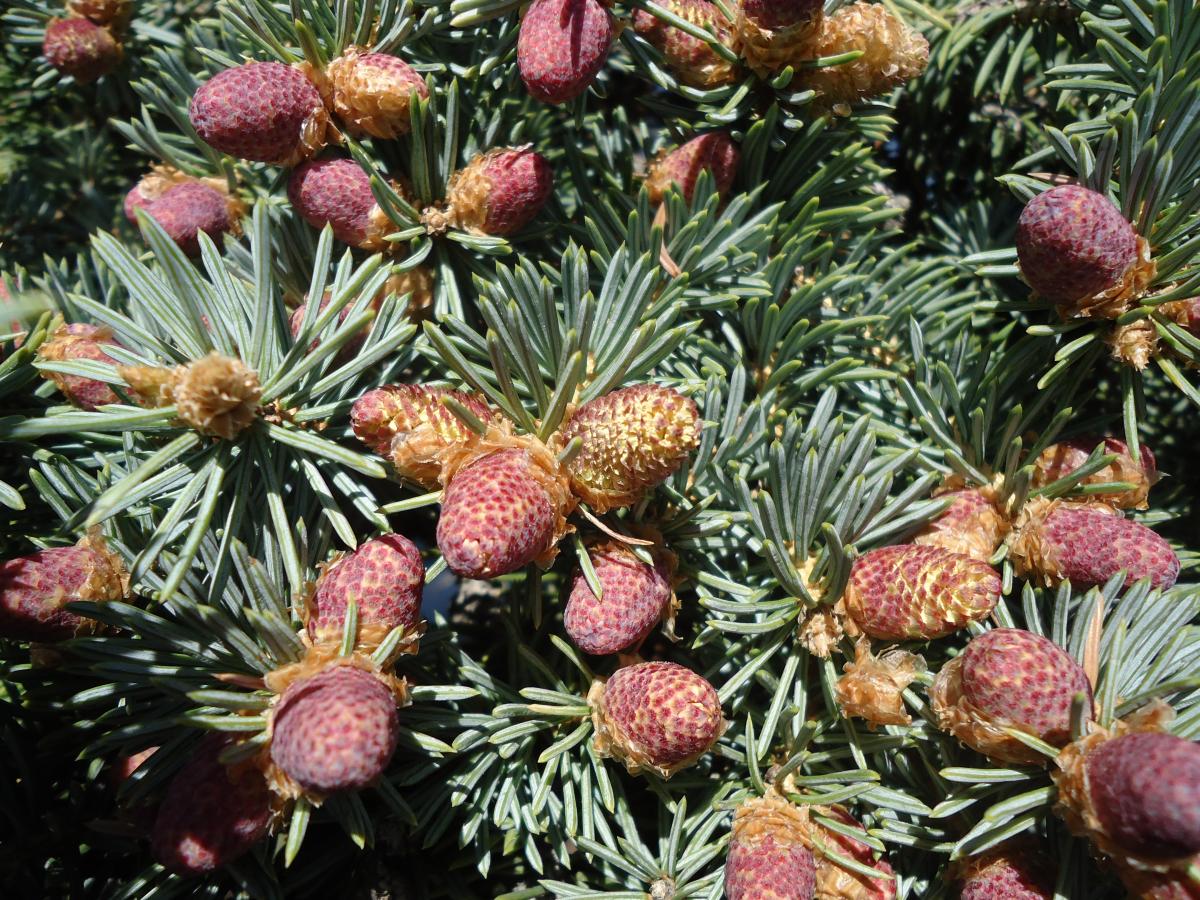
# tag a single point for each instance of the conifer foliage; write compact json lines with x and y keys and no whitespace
{"x":579,"y":448}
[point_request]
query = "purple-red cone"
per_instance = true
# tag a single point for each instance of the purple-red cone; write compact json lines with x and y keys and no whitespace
{"x":80,"y":48}
{"x":85,"y":342}
{"x":1087,"y":544}
{"x":1145,"y":790}
{"x":34,"y":589}
{"x":498,"y":193}
{"x":1009,"y":678}
{"x":1073,"y":243}
{"x":260,"y":111}
{"x":561,"y":47}
{"x":714,"y":152}
{"x":1015,"y":870}
{"x":210,"y":815}
{"x":656,"y":715}
{"x":184,"y":210}
{"x":496,"y":516}
{"x":634,"y":597}
{"x":911,"y":592}
{"x":385,"y":578}
{"x":337,"y":192}
{"x":1062,"y":459}
{"x":335,"y":731}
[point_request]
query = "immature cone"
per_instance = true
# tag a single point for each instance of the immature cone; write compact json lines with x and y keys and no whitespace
{"x":1135,"y":796}
{"x":497,"y":516}
{"x":372,"y":91}
{"x":655,"y":715}
{"x":634,"y":598}
{"x":210,"y":815}
{"x":410,"y":425}
{"x":35,"y":589}
{"x":102,"y":12}
{"x":80,"y":48}
{"x":416,"y":282}
{"x":1015,"y":870}
{"x":337,"y":192}
{"x":837,"y":883}
{"x":1087,"y":544}
{"x":1061,"y":459}
{"x":693,"y":60}
{"x":1075,"y":249}
{"x":972,"y":524}
{"x":216,"y":395}
{"x":715,"y":152}
{"x":767,"y":858}
{"x":385,"y":578}
{"x":561,"y":47}
{"x":908,"y":592}
{"x":498,"y":193}
{"x":773,"y":34}
{"x":892,"y":53}
{"x":185,"y":206}
{"x":261,"y":111}
{"x":632,"y":440}
{"x":335,"y":731}
{"x":80,"y":341}
{"x":351,"y":347}
{"x":768,"y":855}
{"x":1007,"y":677}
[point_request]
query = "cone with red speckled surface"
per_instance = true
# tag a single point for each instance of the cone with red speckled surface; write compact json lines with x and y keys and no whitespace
{"x":972,"y":525}
{"x":633,"y":439}
{"x":872,"y":687}
{"x":1060,"y":460}
{"x":34,"y":589}
{"x":656,"y":716}
{"x":504,"y":506}
{"x":411,"y":426}
{"x":211,"y":815}
{"x":773,"y":34}
{"x":834,"y":881}
{"x":1087,"y":544}
{"x":892,"y":53}
{"x":384,"y":577}
{"x":1134,"y":792}
{"x":561,"y":47}
{"x":693,"y":61}
{"x":635,"y":596}
{"x":908,"y":592}
{"x":714,"y":152}
{"x":497,"y":193}
{"x":1077,"y":250}
{"x":1009,"y":678}
{"x":1016,"y":870}
{"x":185,"y":206}
{"x":332,"y":731}
{"x":85,"y":342}
{"x":769,"y":856}
{"x":337,"y":192}
{"x":81,"y":48}
{"x":261,"y":111}
{"x":371,"y":92}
